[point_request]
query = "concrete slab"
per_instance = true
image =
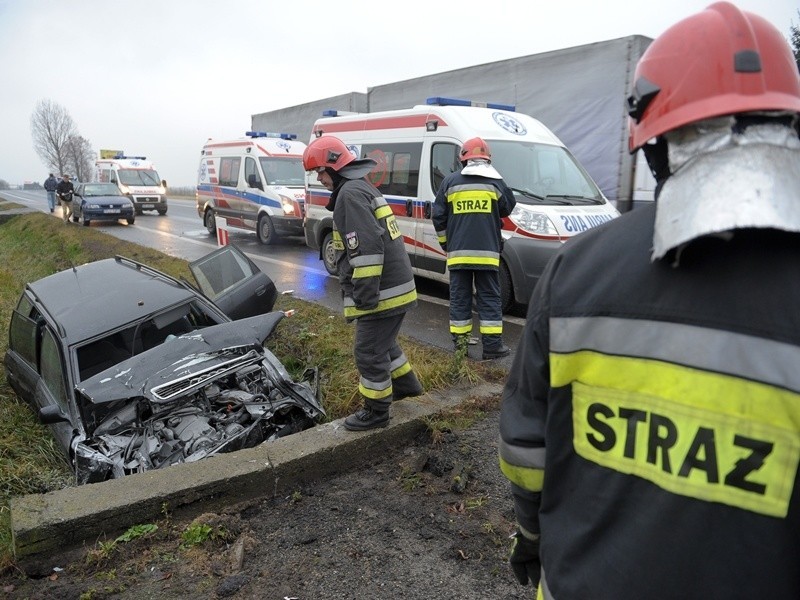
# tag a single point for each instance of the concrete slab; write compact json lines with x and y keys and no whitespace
{"x":58,"y":521}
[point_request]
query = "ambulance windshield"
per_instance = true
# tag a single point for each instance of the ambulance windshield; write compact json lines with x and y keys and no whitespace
{"x":138,"y":177}
{"x":543,"y":174}
{"x":283,"y":171}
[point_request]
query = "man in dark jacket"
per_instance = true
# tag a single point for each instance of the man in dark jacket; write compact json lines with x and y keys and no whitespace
{"x":375,"y":275}
{"x":64,"y":191}
{"x":650,"y":424}
{"x":50,"y":185}
{"x":467,"y":217}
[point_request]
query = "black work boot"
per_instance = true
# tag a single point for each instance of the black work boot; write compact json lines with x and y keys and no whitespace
{"x":366,"y":418}
{"x":406,"y":386}
{"x":496,"y":352}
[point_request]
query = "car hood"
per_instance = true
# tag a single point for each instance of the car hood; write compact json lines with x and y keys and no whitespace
{"x":175,"y":361}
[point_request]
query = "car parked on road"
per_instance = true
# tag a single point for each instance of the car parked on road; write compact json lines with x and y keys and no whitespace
{"x":135,"y":370}
{"x":101,"y":202}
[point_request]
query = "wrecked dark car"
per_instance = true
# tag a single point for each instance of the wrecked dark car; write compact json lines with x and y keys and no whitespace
{"x":134,"y":370}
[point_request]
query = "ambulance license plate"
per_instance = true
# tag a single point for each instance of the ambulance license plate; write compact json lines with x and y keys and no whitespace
{"x":148,"y":205}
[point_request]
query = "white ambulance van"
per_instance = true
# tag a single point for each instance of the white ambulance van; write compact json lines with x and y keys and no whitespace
{"x":416,"y":148}
{"x":137,"y":178}
{"x":257,"y":183}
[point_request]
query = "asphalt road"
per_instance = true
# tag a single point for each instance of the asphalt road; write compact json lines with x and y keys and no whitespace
{"x":293,"y":266}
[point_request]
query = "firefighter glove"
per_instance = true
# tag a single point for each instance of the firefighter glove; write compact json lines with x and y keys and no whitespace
{"x":524,"y":559}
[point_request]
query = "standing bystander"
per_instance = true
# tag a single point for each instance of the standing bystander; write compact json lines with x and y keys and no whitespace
{"x":50,"y":185}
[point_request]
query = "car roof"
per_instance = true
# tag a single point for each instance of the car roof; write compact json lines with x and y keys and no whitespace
{"x":96,"y":297}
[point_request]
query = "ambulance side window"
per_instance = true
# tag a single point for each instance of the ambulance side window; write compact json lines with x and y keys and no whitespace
{"x":251,"y":175}
{"x":444,"y":160}
{"x":397,"y":170}
{"x":229,"y":171}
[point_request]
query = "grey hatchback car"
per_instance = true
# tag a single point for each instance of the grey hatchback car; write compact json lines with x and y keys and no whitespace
{"x":135,"y":370}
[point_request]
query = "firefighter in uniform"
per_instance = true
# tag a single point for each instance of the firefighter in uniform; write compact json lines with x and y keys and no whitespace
{"x":467,"y":215}
{"x":650,"y":425}
{"x":375,"y":275}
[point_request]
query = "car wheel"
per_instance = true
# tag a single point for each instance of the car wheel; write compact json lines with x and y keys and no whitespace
{"x":162,"y":211}
{"x":506,"y":288}
{"x":209,"y":222}
{"x":266,"y":230}
{"x":137,"y":211}
{"x":85,"y":221}
{"x":131,"y":220}
{"x":329,"y":254}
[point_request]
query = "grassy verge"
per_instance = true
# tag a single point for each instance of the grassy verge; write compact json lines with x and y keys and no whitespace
{"x":36,"y":245}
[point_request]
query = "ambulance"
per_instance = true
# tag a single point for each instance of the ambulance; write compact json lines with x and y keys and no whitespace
{"x":256,"y":183}
{"x":137,"y":178}
{"x":416,"y":148}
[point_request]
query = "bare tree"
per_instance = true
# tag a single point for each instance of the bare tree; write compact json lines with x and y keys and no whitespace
{"x":794,"y":30}
{"x":80,"y":157}
{"x":51,"y":129}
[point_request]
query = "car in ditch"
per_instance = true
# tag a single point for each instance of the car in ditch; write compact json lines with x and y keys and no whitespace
{"x":135,"y":370}
{"x":99,"y":201}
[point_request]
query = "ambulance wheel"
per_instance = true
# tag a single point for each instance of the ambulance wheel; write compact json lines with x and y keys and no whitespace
{"x":209,"y":222}
{"x":329,"y":254}
{"x":266,"y":230}
{"x":162,"y":211}
{"x":506,"y":288}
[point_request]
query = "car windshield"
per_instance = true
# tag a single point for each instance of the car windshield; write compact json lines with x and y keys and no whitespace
{"x":100,"y":189}
{"x":543,"y":174}
{"x":139,"y":177}
{"x":283,"y":171}
{"x":142,"y":335}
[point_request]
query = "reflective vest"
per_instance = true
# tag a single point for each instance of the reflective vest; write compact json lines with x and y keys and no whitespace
{"x":656,"y":407}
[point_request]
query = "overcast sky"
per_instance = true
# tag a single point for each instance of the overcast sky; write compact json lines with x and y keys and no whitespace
{"x":159,"y":77}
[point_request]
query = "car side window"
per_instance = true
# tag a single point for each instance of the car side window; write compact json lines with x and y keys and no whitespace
{"x":251,"y":175}
{"x":229,"y":171}
{"x":444,"y":160}
{"x":52,"y":369}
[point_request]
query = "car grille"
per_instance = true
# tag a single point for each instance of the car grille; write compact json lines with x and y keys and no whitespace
{"x":194,"y":381}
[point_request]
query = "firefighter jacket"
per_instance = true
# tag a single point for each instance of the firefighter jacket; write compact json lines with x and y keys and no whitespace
{"x":372,"y":263}
{"x":467,"y":215}
{"x":650,"y":425}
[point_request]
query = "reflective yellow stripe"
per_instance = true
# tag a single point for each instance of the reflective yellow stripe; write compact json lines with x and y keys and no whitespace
{"x":383,"y":211}
{"x":337,"y":241}
{"x":473,"y":260}
{"x":401,"y":370}
{"x":460,"y":329}
{"x":526,"y":478}
{"x":383,"y":305}
{"x":374,"y":394}
{"x":442,"y":239}
{"x":492,"y":329}
{"x":372,"y":271}
{"x":699,"y":434}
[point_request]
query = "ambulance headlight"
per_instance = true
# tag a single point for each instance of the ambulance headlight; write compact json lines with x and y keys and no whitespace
{"x":287,"y":204}
{"x":532,"y":221}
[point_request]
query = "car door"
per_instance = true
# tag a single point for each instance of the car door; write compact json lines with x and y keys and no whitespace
{"x":234,"y":283}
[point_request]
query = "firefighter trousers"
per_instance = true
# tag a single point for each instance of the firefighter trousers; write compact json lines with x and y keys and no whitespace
{"x":378,"y":357}
{"x":487,"y":299}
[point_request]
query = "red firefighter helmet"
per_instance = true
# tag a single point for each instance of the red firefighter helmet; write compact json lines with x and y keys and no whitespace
{"x":475,"y":148}
{"x":326,"y":151}
{"x":721,"y":61}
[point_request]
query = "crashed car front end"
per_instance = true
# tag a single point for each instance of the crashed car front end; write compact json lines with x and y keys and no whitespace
{"x":213,"y":391}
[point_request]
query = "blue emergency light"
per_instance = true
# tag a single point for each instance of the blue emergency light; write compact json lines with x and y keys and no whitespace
{"x":260,"y":134}
{"x":443,"y":101}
